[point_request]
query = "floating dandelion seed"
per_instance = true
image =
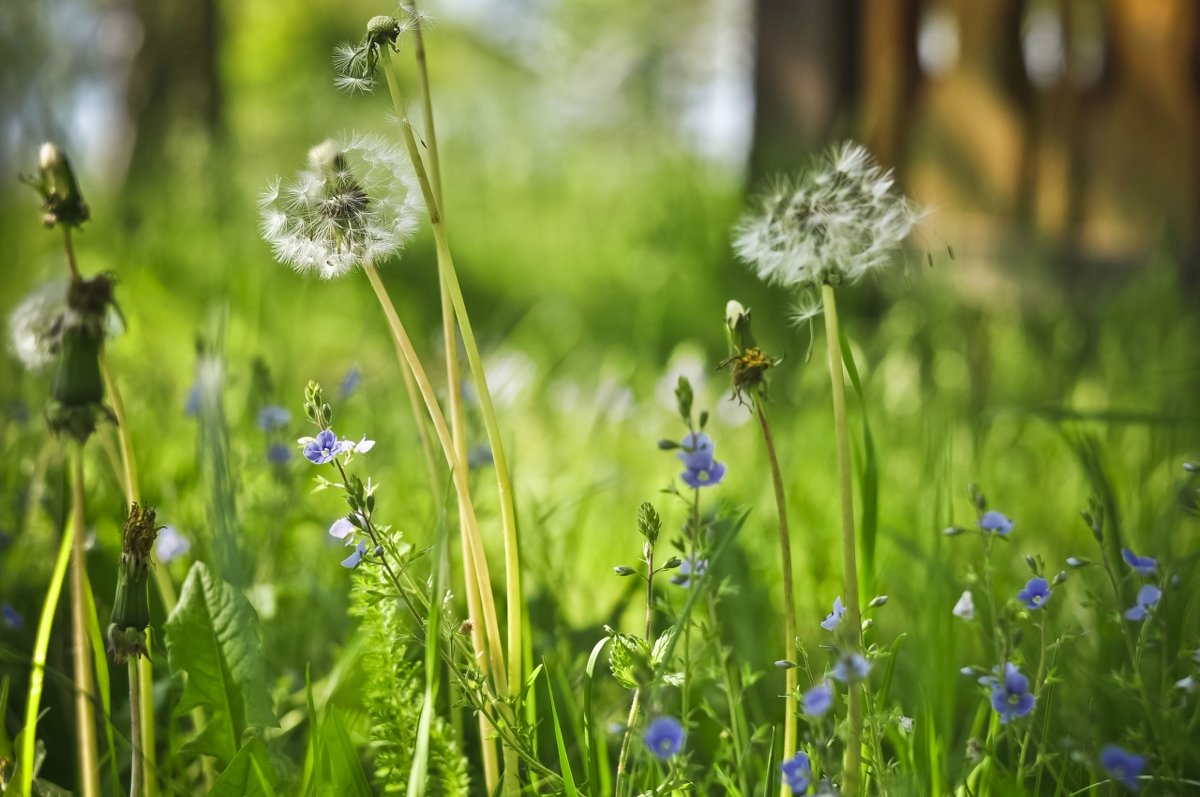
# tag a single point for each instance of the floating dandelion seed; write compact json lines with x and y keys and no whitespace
{"x":357,"y":203}
{"x":833,"y":223}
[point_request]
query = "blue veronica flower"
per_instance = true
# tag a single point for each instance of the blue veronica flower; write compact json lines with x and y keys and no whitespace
{"x":996,"y":523}
{"x":272,"y":417}
{"x":697,"y":451}
{"x":350,"y":381}
{"x":1011,"y":697}
{"x":1037,"y":591}
{"x":342,"y":528}
{"x":278,"y":453}
{"x":704,"y":477}
{"x":191,"y":405}
{"x":353,"y":559}
{"x":171,"y":545}
{"x":851,"y":667}
{"x":818,"y":700}
{"x":834,"y":618}
{"x":1147,"y":598}
{"x":479,"y":456}
{"x":1122,"y":765}
{"x":1146,"y":565}
{"x":12,"y":618}
{"x":323,"y":448}
{"x":797,"y":773}
{"x":664,"y":737}
{"x":690,"y":567}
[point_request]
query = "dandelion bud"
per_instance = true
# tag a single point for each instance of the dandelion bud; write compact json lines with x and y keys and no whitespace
{"x":77,"y":394}
{"x":624,"y":570}
{"x":131,"y":607}
{"x":737,"y":327}
{"x":878,"y":600}
{"x":62,"y":200}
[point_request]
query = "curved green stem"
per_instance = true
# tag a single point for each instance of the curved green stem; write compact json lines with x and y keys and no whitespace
{"x":853,"y":776}
{"x":86,"y":755}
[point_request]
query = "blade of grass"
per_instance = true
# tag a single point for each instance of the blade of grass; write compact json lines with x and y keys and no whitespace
{"x":103,"y":681}
{"x":419,"y":774}
{"x":594,"y":747}
{"x":868,"y":476}
{"x":564,"y":761}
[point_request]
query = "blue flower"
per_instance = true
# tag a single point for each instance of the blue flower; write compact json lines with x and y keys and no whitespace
{"x":664,"y":737}
{"x":1011,"y":697}
{"x":478,"y":456}
{"x":1122,"y":765}
{"x":342,"y":528}
{"x":12,"y":618}
{"x":323,"y":448}
{"x":797,"y":773}
{"x":834,"y":618}
{"x":697,"y":451}
{"x":1145,"y":565}
{"x":191,"y":405}
{"x":350,"y":381}
{"x":704,"y":477}
{"x":1037,"y":591}
{"x":171,"y":545}
{"x":851,"y":667}
{"x":278,"y":453}
{"x":690,"y":567}
{"x":1147,"y":598}
{"x":996,"y":523}
{"x":353,"y":559}
{"x":818,"y":700}
{"x":273,"y":416}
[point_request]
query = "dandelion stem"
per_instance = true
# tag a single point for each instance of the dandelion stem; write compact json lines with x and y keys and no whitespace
{"x":69,"y":245}
{"x":789,"y":600}
{"x":408,"y":355}
{"x":87,"y":758}
{"x":853,"y":768}
{"x":135,"y":729}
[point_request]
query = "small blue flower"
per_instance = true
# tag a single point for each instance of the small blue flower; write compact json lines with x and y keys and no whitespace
{"x":996,"y":523}
{"x":689,"y":568}
{"x":704,"y":477}
{"x":171,"y":545}
{"x":272,"y":417}
{"x":278,"y":453}
{"x":664,"y":737}
{"x":12,"y":618}
{"x":851,"y":667}
{"x":191,"y":405}
{"x":479,"y":456}
{"x":342,"y":528}
{"x":353,"y":559}
{"x":1145,"y":565}
{"x":1147,"y":598}
{"x":1037,"y":591}
{"x":1122,"y":765}
{"x":797,"y":773}
{"x":1011,"y":697}
{"x":323,"y":448}
{"x":818,"y":700}
{"x":696,"y":451}
{"x":350,"y":381}
{"x":834,"y":618}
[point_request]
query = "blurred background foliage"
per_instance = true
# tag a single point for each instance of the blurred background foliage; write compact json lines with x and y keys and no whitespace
{"x":596,"y":155}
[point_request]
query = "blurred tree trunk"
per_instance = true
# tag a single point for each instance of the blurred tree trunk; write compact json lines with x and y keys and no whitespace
{"x":806,"y":78}
{"x":890,"y":76}
{"x":175,"y":96}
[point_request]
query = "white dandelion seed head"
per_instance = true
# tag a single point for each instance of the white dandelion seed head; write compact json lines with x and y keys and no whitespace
{"x":834,"y":222}
{"x":35,"y":325}
{"x":358,"y":202}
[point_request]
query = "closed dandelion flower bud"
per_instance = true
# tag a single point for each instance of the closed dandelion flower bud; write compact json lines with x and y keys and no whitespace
{"x":77,"y":394}
{"x":62,"y":201}
{"x":357,"y":203}
{"x":131,"y":607}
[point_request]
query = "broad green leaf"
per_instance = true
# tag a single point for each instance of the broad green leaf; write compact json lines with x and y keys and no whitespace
{"x":212,"y":636}
{"x":249,"y":774}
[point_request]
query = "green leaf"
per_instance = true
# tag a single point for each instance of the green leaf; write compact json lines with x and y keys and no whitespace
{"x":249,"y":774}
{"x":564,"y":761}
{"x":212,"y":636}
{"x":345,"y":767}
{"x":628,"y":658}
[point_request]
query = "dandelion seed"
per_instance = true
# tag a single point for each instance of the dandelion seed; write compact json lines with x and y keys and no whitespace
{"x":797,"y":773}
{"x":834,"y":223}
{"x":1147,"y":598}
{"x":851,"y":667}
{"x":323,"y":448}
{"x":818,"y":700}
{"x":1145,"y":565}
{"x":1122,"y":765}
{"x":11,"y":617}
{"x":832,"y":619}
{"x":689,"y":569}
{"x":965,"y":607}
{"x":1035,"y":594}
{"x":171,"y":545}
{"x":1011,"y":697}
{"x":36,"y":324}
{"x":352,"y":561}
{"x":996,"y":523}
{"x":357,"y":203}
{"x":664,"y":737}
{"x":273,"y":417}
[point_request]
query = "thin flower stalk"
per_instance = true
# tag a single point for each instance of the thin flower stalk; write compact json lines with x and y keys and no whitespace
{"x":635,"y":704}
{"x":853,"y":776}
{"x":87,"y":757}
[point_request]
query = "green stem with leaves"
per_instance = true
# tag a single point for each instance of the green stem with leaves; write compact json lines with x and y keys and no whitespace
{"x":853,"y":764}
{"x":635,"y":705}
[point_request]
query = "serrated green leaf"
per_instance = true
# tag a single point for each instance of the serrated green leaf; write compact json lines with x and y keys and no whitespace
{"x":212,"y":636}
{"x":249,"y":773}
{"x":628,"y":659}
{"x":660,"y":646}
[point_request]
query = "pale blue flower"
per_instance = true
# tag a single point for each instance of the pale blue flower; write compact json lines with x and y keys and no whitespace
{"x":353,"y":559}
{"x":1037,"y":591}
{"x":11,"y":617}
{"x":996,"y":523}
{"x":171,"y":545}
{"x":1122,"y":765}
{"x":273,"y":417}
{"x":1147,"y":598}
{"x":818,"y":700}
{"x":1143,"y":564}
{"x":323,"y":448}
{"x":851,"y":667}
{"x":834,"y":618}
{"x":797,"y":773}
{"x":664,"y":737}
{"x":1011,"y":697}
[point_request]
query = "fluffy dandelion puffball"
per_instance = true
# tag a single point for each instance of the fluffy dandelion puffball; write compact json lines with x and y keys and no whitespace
{"x":35,"y":326}
{"x":832,"y":223}
{"x":356,"y":203}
